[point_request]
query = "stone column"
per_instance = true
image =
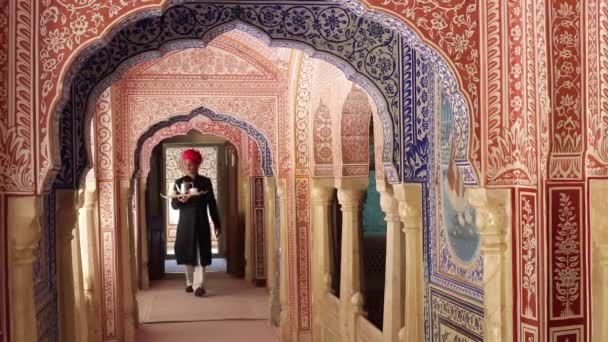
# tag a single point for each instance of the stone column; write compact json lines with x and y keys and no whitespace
{"x":285,"y":329}
{"x":320,"y":199}
{"x":271,"y":259}
{"x":89,"y":243}
{"x":350,"y":196}
{"x":492,"y":223}
{"x":246,"y":200}
{"x":66,"y":218}
{"x":129,"y":302}
{"x":24,"y":219}
{"x":143,"y":232}
{"x":598,"y":188}
{"x":77,"y":267}
{"x":409,"y":197}
{"x":394,"y":284}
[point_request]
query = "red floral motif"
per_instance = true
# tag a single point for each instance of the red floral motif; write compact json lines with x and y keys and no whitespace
{"x":567,"y":270}
{"x":144,"y":101}
{"x":566,"y":90}
{"x":529,"y":257}
{"x":356,"y":116}
{"x":452,"y":28}
{"x":322,"y":136}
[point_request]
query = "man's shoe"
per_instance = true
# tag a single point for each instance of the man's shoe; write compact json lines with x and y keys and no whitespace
{"x":189,"y":288}
{"x":200,"y":292}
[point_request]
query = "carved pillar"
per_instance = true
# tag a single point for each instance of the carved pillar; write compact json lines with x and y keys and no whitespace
{"x":394,"y":284}
{"x":24,"y":232}
{"x":246,"y":200}
{"x":80,"y":304}
{"x":350,"y":196}
{"x":89,"y":243}
{"x":143,"y":232}
{"x":409,"y":197}
{"x":491,"y":219}
{"x":320,"y":199}
{"x":129,"y":307}
{"x":271,"y":243}
{"x":285,"y":329}
{"x":66,"y":224}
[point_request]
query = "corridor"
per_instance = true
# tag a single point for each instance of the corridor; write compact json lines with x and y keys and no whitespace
{"x":232,"y":311}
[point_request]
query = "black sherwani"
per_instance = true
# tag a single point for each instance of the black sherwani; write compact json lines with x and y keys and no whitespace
{"x":193,"y":227}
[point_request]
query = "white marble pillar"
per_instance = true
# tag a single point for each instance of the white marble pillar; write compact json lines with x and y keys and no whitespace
{"x":320,"y":199}
{"x":491,"y":219}
{"x":271,"y":248}
{"x":394,"y":283}
{"x":351,"y":192}
{"x":409,"y":197}
{"x":143,"y":232}
{"x":24,"y":219}
{"x":598,"y":188}
{"x":285,"y":332}
{"x":66,"y":218}
{"x":600,"y":292}
{"x":126,"y":246}
{"x":77,"y":268}
{"x":89,"y":243}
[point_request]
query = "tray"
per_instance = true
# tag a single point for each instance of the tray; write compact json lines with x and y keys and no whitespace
{"x":178,"y":196}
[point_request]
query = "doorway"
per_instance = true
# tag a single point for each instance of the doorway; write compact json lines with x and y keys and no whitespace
{"x":220,"y":164}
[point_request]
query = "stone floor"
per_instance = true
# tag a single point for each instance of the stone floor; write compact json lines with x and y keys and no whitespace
{"x":233,"y":311}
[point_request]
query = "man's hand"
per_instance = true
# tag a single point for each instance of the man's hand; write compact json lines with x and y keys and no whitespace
{"x":218,"y":231}
{"x":183,"y":199}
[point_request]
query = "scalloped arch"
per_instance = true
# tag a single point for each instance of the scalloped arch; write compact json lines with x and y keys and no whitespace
{"x":248,"y":128}
{"x":373,"y":54}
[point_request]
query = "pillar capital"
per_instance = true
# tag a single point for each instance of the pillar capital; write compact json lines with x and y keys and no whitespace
{"x":321,"y":190}
{"x":409,"y":196}
{"x":388,"y":201}
{"x":491,"y":217}
{"x":351,"y":191}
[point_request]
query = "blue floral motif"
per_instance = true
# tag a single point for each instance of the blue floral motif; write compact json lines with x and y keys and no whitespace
{"x":375,"y":30}
{"x":368,"y":47}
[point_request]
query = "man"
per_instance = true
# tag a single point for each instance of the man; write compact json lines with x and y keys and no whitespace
{"x":193,"y":240}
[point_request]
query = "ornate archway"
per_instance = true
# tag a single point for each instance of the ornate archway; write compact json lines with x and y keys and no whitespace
{"x":249,"y":129}
{"x":372,"y":54}
{"x":232,"y":134}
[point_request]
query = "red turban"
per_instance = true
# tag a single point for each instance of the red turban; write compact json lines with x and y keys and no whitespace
{"x":192,"y":155}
